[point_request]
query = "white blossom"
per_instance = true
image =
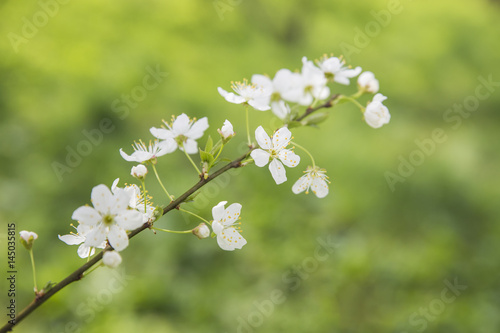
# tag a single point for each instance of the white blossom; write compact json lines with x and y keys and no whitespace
{"x":274,"y":150}
{"x":376,"y":113}
{"x":183,"y":132}
{"x":155,"y":149}
{"x":224,"y":226}
{"x":109,"y":218}
{"x":227,"y":130}
{"x":201,"y":231}
{"x":285,"y":85}
{"x":83,"y":251}
{"x":140,"y":171}
{"x":334,"y":68}
{"x":313,"y":83}
{"x":250,"y":93}
{"x":368,"y":82}
{"x":315,"y":179}
{"x":27,"y":238}
{"x":111,"y":259}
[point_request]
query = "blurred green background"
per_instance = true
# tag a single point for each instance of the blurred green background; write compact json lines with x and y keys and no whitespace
{"x":393,"y":249}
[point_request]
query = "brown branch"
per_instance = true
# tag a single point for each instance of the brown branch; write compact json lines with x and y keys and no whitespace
{"x":328,"y":104}
{"x":42,"y":297}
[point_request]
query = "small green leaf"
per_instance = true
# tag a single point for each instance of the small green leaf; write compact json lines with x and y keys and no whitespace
{"x":192,"y":197}
{"x":317,"y":118}
{"x":207,"y":157}
{"x":294,"y":123}
{"x":210,"y":144}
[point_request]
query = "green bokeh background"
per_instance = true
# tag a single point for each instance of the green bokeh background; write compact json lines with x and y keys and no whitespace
{"x":394,"y":249}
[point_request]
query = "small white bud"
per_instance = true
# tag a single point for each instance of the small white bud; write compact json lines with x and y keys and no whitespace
{"x":28,"y":238}
{"x":111,"y":259}
{"x":140,"y":171}
{"x":368,"y":82}
{"x":226,"y":131}
{"x":201,"y":231}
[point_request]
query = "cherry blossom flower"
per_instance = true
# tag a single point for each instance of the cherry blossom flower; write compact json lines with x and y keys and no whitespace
{"x":183,"y":132}
{"x":368,"y":82}
{"x":334,"y":69}
{"x":285,"y":85}
{"x":224,"y":226}
{"x":83,"y":251}
{"x":376,"y":113}
{"x":109,"y":218}
{"x":155,"y":149}
{"x":111,"y":259}
{"x":273,"y":149}
{"x":27,"y":238}
{"x":313,"y":83}
{"x":314,"y":178}
{"x":136,"y":200}
{"x":252,"y":94}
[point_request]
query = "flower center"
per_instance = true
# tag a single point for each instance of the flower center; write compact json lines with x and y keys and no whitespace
{"x":108,"y":220}
{"x":180,"y":139}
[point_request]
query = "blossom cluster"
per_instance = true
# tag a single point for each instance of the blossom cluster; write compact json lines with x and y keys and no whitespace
{"x":115,"y":211}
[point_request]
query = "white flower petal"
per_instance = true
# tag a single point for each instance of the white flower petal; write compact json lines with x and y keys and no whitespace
{"x":260,"y":157}
{"x":120,"y":201}
{"x":302,"y":184}
{"x":262,"y":138}
{"x":86,"y":215}
{"x":231,"y":214}
{"x":129,"y":219}
{"x":289,"y":158}
{"x":118,"y":238}
{"x":319,"y":187}
{"x":217,"y":227}
{"x":259,"y":104}
{"x":231,"y":97}
{"x":161,"y":133}
{"x":114,"y":186}
{"x":101,"y":198}
{"x":379,"y":98}
{"x":230,"y":239}
{"x":198,"y":128}
{"x":96,"y":236}
{"x":85,"y":251}
{"x":277,"y":171}
{"x":281,"y":138}
{"x":262,"y":81}
{"x":280,"y":109}
{"x":218,"y":211}
{"x":181,"y":124}
{"x":166,"y":147}
{"x":71,"y":239}
{"x":191,"y":146}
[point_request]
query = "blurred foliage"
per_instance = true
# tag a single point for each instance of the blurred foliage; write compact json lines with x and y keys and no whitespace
{"x":393,"y":249}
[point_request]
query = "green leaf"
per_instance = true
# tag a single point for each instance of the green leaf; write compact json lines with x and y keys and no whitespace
{"x":294,"y":123}
{"x":192,"y":197}
{"x":317,"y":118}
{"x":207,"y":157}
{"x":210,"y":144}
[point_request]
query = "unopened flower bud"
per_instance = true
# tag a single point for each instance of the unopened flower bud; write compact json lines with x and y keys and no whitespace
{"x":28,"y":238}
{"x":111,"y":259}
{"x":139,"y":171}
{"x":226,"y":131}
{"x":201,"y":231}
